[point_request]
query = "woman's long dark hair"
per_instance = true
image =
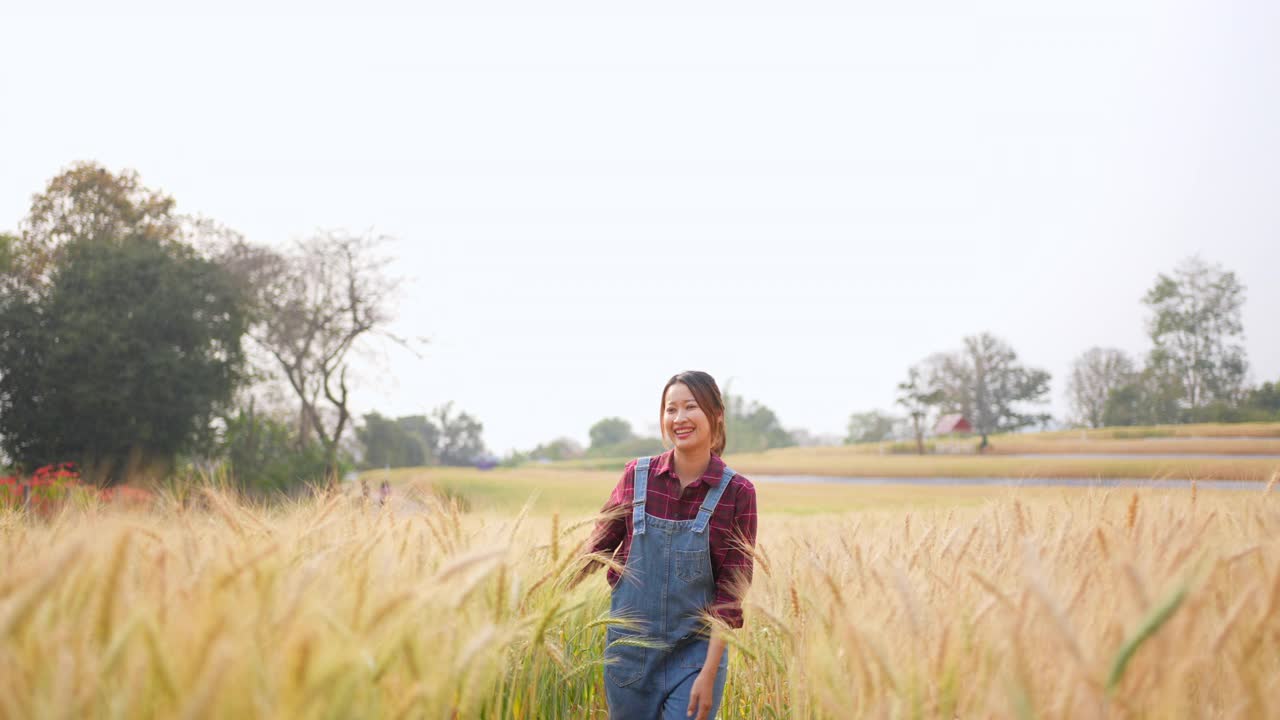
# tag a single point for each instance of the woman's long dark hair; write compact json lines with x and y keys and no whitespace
{"x":707,"y":393}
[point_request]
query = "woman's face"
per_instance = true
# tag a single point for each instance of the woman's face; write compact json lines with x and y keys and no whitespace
{"x":684,"y":421}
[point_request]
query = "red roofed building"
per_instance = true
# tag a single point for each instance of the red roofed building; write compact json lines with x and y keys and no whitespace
{"x":950,"y":424}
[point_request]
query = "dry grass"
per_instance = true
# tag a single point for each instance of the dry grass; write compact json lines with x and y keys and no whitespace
{"x":1149,"y":446}
{"x":839,"y":461}
{"x":1200,"y":430}
{"x":1053,"y":603}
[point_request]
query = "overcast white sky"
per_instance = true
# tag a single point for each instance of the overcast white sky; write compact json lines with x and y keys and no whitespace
{"x":804,"y":198}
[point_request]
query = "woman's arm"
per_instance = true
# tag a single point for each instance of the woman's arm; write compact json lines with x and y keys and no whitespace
{"x":612,"y":527}
{"x":733,"y":576}
{"x":734,"y":563}
{"x":703,"y":691}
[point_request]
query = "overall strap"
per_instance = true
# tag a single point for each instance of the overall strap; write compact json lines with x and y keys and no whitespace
{"x":641,"y":488}
{"x":712,"y":499}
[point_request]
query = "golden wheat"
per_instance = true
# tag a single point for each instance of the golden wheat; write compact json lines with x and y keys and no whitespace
{"x":1030,"y":603}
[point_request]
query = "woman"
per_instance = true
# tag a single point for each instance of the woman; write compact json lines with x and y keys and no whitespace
{"x":682,"y":527}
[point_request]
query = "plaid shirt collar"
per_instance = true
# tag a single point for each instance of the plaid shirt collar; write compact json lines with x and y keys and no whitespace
{"x":666,"y":463}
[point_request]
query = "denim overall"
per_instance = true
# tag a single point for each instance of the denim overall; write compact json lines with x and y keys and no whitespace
{"x":665,"y":586}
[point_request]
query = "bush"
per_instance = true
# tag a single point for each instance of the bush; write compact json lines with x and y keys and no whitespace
{"x":264,"y":455}
{"x":1141,"y":434}
{"x":51,"y":486}
{"x":908,"y":447}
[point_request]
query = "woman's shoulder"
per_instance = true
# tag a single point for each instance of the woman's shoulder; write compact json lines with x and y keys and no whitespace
{"x":629,"y":470}
{"x":741,"y":483}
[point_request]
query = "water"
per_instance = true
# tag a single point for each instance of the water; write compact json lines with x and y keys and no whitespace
{"x":1017,"y":482}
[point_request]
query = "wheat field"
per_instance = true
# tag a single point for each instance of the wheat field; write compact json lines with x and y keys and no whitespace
{"x":1063,"y":604}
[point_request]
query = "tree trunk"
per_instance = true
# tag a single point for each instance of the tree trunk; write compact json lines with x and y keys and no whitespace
{"x":331,"y":465}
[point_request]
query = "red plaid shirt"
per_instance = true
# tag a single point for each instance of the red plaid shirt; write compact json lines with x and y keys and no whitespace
{"x":732,"y":524}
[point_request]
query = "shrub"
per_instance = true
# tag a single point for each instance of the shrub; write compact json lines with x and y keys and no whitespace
{"x":910,"y":448}
{"x":264,"y":455}
{"x":51,"y":486}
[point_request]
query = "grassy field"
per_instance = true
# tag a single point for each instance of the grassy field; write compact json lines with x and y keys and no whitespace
{"x":574,"y":493}
{"x":867,"y":602}
{"x":1014,"y":456}
{"x":837,"y":461}
{"x":850,"y":462}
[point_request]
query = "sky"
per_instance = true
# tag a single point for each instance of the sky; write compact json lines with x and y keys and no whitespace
{"x":583,"y":198}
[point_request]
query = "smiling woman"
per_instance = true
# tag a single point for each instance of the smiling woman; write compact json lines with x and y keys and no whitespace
{"x":680,"y":530}
{"x":697,"y":395}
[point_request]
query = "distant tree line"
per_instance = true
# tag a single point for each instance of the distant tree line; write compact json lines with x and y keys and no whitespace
{"x":749,"y":426}
{"x":444,"y":437}
{"x":610,"y":437}
{"x":1195,"y":371}
{"x":1196,"y":368}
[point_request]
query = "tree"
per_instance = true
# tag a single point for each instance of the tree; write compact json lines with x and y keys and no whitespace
{"x":1265,"y":399}
{"x":313,"y":305}
{"x":867,"y":427}
{"x":88,"y":203}
{"x":263,"y":454}
{"x":403,"y":442}
{"x":8,"y":244}
{"x":1150,"y":397}
{"x":459,"y":439}
{"x":610,"y":431}
{"x":1094,"y":375}
{"x":118,"y":341}
{"x":559,"y":449}
{"x":985,"y":383}
{"x":1196,"y":328}
{"x":752,"y":427}
{"x":917,"y":399}
{"x":121,"y":360}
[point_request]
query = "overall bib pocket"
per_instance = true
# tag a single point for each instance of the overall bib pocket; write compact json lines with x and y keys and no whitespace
{"x":692,"y":565}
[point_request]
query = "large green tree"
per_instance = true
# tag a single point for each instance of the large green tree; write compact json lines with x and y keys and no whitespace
{"x":752,"y":427}
{"x":1196,"y":327}
{"x":610,"y":431}
{"x":122,"y":363}
{"x":118,"y":341}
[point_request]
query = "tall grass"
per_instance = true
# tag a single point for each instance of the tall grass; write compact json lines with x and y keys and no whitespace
{"x":1071,"y":604}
